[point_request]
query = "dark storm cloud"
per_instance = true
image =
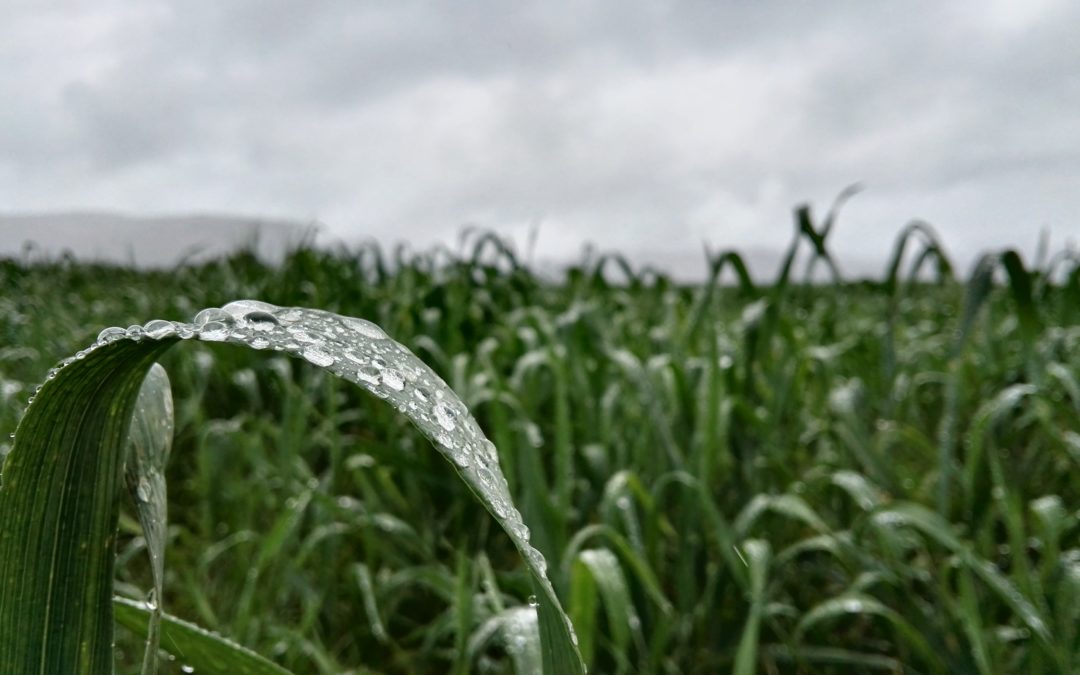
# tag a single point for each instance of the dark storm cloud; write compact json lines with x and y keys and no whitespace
{"x":646,"y":126}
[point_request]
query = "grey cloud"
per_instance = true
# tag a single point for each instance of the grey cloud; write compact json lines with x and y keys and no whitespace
{"x":648,"y":126}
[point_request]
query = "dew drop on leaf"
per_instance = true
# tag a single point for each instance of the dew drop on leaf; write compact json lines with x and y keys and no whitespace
{"x":444,"y":414}
{"x":158,"y":329}
{"x":318,"y":356}
{"x":369,"y":375}
{"x":365,"y":328}
{"x":214,"y":331}
{"x":215,"y":315}
{"x":393,"y":379}
{"x":111,"y":334}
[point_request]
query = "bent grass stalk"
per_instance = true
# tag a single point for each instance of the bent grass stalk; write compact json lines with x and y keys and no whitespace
{"x":60,"y":480}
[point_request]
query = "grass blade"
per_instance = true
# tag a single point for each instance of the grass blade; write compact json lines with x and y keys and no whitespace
{"x":194,"y":647}
{"x":758,"y":554}
{"x":60,"y":507}
{"x":150,"y":442}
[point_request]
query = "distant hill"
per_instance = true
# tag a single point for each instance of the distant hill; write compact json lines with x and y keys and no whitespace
{"x":163,"y":241}
{"x":158,"y":241}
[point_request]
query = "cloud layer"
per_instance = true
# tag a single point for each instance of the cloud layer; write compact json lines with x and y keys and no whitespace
{"x":634,"y":125}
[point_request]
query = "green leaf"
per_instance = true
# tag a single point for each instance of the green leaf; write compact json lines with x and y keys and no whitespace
{"x":597,"y":573}
{"x":859,"y":604}
{"x":516,"y":627}
{"x":59,"y":505}
{"x":194,"y":647}
{"x":61,"y":478}
{"x":758,"y":553}
{"x":150,"y":442}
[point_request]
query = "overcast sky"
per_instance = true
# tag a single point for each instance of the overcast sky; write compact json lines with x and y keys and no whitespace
{"x":644,"y":126}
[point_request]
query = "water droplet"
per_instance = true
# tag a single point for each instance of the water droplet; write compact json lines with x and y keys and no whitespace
{"x":259,"y":343}
{"x":213,"y":315}
{"x":261,"y":321}
{"x":379,"y":362}
{"x":158,"y":329}
{"x":393,"y":379}
{"x":134,"y":332}
{"x":142,"y":490}
{"x":520,"y":529}
{"x":490,"y":454}
{"x":365,"y":328}
{"x":444,"y":414}
{"x":185,"y":330}
{"x":239,"y":309}
{"x":369,"y":375}
{"x":318,"y":356}
{"x":423,"y":394}
{"x":486,"y":479}
{"x":151,"y":600}
{"x":187,"y":669}
{"x":291,"y":315}
{"x":213,"y":331}
{"x":533,"y":602}
{"x":111,"y":334}
{"x":536,"y":558}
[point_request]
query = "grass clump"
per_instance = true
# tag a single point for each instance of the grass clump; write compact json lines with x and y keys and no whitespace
{"x":783,"y":477}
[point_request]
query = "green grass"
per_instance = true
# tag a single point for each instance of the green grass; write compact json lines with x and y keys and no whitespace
{"x":781,"y":477}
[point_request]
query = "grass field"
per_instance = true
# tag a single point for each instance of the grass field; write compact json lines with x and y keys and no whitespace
{"x":833,"y":478}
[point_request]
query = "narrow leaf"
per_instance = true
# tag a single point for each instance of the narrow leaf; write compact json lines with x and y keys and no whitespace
{"x":150,"y":442}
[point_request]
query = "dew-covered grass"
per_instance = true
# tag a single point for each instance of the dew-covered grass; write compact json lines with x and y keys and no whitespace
{"x":834,"y":478}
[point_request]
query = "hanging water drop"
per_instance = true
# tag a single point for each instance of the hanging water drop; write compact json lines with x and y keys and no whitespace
{"x":533,"y":602}
{"x":142,"y":490}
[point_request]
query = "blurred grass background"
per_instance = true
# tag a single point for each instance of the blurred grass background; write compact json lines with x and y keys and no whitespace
{"x":839,"y":477}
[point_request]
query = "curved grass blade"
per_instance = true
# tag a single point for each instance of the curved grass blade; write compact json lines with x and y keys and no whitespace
{"x":194,"y":647}
{"x":758,"y":554}
{"x":597,"y":574}
{"x":62,"y":475}
{"x":859,"y":604}
{"x":517,"y":628}
{"x":937,"y":528}
{"x":59,"y":506}
{"x":150,"y":441}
